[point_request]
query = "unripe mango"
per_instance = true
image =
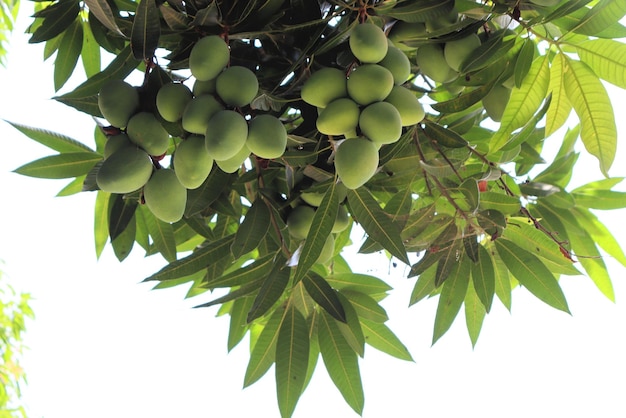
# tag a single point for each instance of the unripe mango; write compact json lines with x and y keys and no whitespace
{"x":237,"y":86}
{"x":339,"y":117}
{"x":342,"y":221}
{"x":226,"y":134}
{"x":315,"y":198}
{"x":457,"y":51}
{"x":370,"y":83}
{"x":235,"y":162}
{"x":116,"y":142}
{"x":495,"y":102}
{"x":118,"y":101}
{"x":171,"y":100}
{"x":208,"y":57}
{"x":125,"y":171}
{"x":324,"y":86}
{"x":201,"y":87}
{"x":192,"y":162}
{"x":405,"y":101}
{"x":381,"y":123}
{"x":356,"y":161}
{"x":198,"y":112}
{"x":368,"y":43}
{"x":165,"y":196}
{"x":432,"y":63}
{"x":439,"y":22}
{"x":398,"y":64}
{"x":406,"y":31}
{"x":328,"y":250}
{"x":267,"y":137}
{"x":299,"y":221}
{"x":147,"y":132}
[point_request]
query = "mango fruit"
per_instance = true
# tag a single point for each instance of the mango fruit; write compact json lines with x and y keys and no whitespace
{"x":406,"y":31}
{"x":198,"y":112}
{"x":495,"y":102}
{"x":226,"y":134}
{"x":147,"y":132}
{"x":398,"y":64}
{"x":458,"y":50}
{"x":235,"y":162}
{"x":324,"y":86}
{"x":369,"y":83}
{"x":267,"y":137}
{"x":201,"y":87}
{"x":299,"y":221}
{"x":116,"y":142}
{"x":208,"y":57}
{"x":356,"y":161}
{"x":237,"y":86}
{"x":165,"y":196}
{"x":407,"y":104}
{"x":430,"y":58}
{"x":192,"y":163}
{"x":328,"y":250}
{"x":368,"y":43}
{"x":381,"y":123}
{"x":124,"y":171}
{"x":339,"y":117}
{"x":342,"y":221}
{"x":118,"y":101}
{"x":171,"y":100}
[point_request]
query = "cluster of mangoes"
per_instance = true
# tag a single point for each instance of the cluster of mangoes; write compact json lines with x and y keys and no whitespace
{"x":215,"y":131}
{"x":368,"y":106}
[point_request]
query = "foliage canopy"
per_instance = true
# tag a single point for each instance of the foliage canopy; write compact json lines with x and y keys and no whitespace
{"x":464,"y":196}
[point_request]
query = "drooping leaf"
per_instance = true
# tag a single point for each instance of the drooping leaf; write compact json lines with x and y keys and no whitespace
{"x":424,"y":286}
{"x":341,"y":362}
{"x":607,"y":58}
{"x":532,"y":274}
{"x":69,"y":50}
{"x":101,"y":223}
{"x":271,"y":290}
{"x":103,"y":12}
{"x":90,"y":52}
{"x":120,"y":214}
{"x":252,"y":230}
{"x":367,"y":284}
{"x":52,"y":140}
{"x":263,"y":353}
{"x":324,"y":295}
{"x":474,"y":313}
{"x":351,"y":328}
{"x":451,"y":297}
{"x":601,"y":16}
{"x":240,"y":307}
{"x":67,"y":165}
{"x":592,"y":104}
{"x":123,"y":243}
{"x":58,"y":17}
{"x":601,"y":235}
{"x":375,"y":222}
{"x":499,"y":202}
{"x":292,"y":358}
{"x":379,"y":336}
{"x":365,"y":306}
{"x":483,"y":278}
{"x":162,"y":234}
{"x":560,"y":106}
{"x":144,"y":37}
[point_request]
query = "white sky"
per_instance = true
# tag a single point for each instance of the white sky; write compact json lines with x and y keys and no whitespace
{"x":103,"y":345}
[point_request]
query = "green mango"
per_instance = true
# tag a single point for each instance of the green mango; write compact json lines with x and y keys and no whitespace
{"x":146,"y":131}
{"x":198,"y":112}
{"x":324,"y":86}
{"x":398,"y":64}
{"x":235,"y":162}
{"x":192,"y":162}
{"x":237,"y":86}
{"x":226,"y":134}
{"x":407,"y":104}
{"x":368,"y":43}
{"x":165,"y":196}
{"x":369,"y":83}
{"x":339,"y":117}
{"x":299,"y":221}
{"x":267,"y":137}
{"x":356,"y":161}
{"x":381,"y":123}
{"x":118,"y":101}
{"x":208,"y":57}
{"x":124,"y":171}
{"x":171,"y":100}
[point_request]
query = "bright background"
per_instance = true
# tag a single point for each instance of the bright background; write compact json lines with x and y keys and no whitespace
{"x":104,"y":345}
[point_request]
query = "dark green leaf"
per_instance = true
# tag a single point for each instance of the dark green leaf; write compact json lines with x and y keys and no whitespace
{"x":421,"y":11}
{"x":484,"y":278}
{"x":524,"y":61}
{"x":474,"y":313}
{"x":443,"y":136}
{"x":123,"y":243}
{"x":365,"y":306}
{"x":451,"y":297}
{"x":70,"y":48}
{"x":102,"y":11}
{"x":238,"y":325}
{"x":351,"y":328}
{"x":380,"y":337}
{"x":252,"y":230}
{"x":53,"y":140}
{"x":240,"y":293}
{"x":67,"y":165}
{"x":144,"y":37}
{"x":58,"y":17}
{"x":292,"y":359}
{"x":263,"y":354}
{"x":532,"y":274}
{"x":255,"y":271}
{"x":121,"y":213}
{"x":271,"y":290}
{"x":376,"y":223}
{"x":424,"y":286}
{"x":324,"y":295}
{"x":369,"y":285}
{"x":201,"y":198}
{"x":162,"y":234}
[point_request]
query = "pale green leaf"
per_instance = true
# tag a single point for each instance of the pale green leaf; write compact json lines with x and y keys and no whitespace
{"x":101,"y":221}
{"x":67,"y":165}
{"x":292,"y":358}
{"x":365,"y":306}
{"x":593,"y":106}
{"x":474,"y":313}
{"x":601,"y":235}
{"x":252,"y":230}
{"x":424,"y":286}
{"x":367,"y":284}
{"x":90,"y":53}
{"x":272,"y":289}
{"x":351,"y":328}
{"x":52,"y":140}
{"x":162,"y":234}
{"x":341,"y":362}
{"x":67,"y":55}
{"x":379,"y":336}
{"x":238,"y":325}
{"x":501,"y":202}
{"x":324,"y":295}
{"x":263,"y":353}
{"x":607,"y":58}
{"x":601,"y":16}
{"x":451,"y":297}
{"x":560,"y":107}
{"x":502,"y":279}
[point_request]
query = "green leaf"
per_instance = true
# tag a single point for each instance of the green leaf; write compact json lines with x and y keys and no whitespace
{"x":607,"y":58}
{"x":58,"y":17}
{"x":474,"y":313}
{"x":424,"y":286}
{"x":484,"y":279}
{"x":201,"y":198}
{"x":102,"y":11}
{"x":524,"y":101}
{"x":524,"y":61}
{"x":101,"y":223}
{"x":451,"y":257}
{"x":451,"y":298}
{"x":593,"y":106}
{"x":443,"y":136}
{"x":321,"y":228}
{"x":601,"y":235}
{"x":196,"y":261}
{"x":341,"y":362}
{"x":238,"y":325}
{"x":465,"y":100}
{"x":254,"y":271}
{"x":532,"y":274}
{"x":601,"y":199}
{"x":120,"y":214}
{"x":376,"y":223}
{"x":263,"y":353}
{"x":560,"y":106}
{"x":369,"y":285}
{"x":292,"y":359}
{"x":67,"y":56}
{"x":123,"y":243}
{"x":324,"y":295}
{"x":488,"y":53}
{"x":72,"y":164}
{"x":601,"y":16}
{"x":52,"y":140}
{"x":421,"y":11}
{"x":271,"y":290}
{"x":162,"y":234}
{"x":252,"y":230}
{"x":500,"y":202}
{"x":502,"y":279}
{"x":144,"y":37}
{"x":365,"y":306}
{"x":90,"y":52}
{"x":351,"y":328}
{"x":380,"y":337}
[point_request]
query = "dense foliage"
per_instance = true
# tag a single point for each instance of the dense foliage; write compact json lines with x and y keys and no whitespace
{"x":462,"y":194}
